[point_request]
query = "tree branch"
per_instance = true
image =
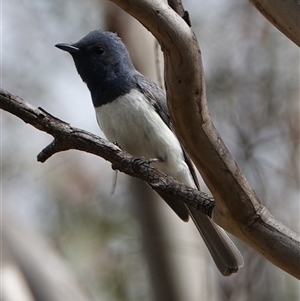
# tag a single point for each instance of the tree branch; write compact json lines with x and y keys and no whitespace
{"x":177,"y":6}
{"x":67,"y":137}
{"x":238,"y":209}
{"x":285,"y":15}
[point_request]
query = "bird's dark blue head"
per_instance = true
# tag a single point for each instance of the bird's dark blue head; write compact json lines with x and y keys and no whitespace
{"x":103,"y":63}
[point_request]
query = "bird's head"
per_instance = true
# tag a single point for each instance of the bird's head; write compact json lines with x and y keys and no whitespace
{"x":101,"y":59}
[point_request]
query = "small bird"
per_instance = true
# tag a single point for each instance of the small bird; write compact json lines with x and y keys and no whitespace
{"x":132,"y":111}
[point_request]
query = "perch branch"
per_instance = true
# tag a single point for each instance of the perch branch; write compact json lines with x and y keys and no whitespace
{"x":67,"y":137}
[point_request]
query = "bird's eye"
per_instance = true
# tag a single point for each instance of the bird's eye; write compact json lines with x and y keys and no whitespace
{"x":98,"y":50}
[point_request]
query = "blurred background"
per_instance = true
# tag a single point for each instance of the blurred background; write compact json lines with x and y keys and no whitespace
{"x":66,"y":234}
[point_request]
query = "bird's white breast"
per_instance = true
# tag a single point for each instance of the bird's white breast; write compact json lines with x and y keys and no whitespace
{"x":136,"y":127}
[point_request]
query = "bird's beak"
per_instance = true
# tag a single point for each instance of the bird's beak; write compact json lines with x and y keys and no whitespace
{"x":68,"y":47}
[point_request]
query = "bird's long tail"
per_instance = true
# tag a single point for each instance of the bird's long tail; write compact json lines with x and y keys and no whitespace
{"x":225,"y":254}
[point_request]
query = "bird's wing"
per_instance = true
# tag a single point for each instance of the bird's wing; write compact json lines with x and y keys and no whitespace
{"x":225,"y":254}
{"x":157,"y":98}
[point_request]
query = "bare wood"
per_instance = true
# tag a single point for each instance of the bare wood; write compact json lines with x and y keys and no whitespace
{"x":238,"y":209}
{"x":285,"y":15}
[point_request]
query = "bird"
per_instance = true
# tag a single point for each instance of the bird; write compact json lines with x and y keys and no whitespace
{"x":132,"y":111}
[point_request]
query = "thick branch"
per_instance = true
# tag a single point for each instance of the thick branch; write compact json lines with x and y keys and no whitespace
{"x":238,"y":210}
{"x":177,"y":6}
{"x":285,"y":15}
{"x":67,"y":137}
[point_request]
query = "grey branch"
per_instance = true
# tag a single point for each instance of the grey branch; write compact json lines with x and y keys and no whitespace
{"x":66,"y":137}
{"x":238,"y":210}
{"x":282,"y":14}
